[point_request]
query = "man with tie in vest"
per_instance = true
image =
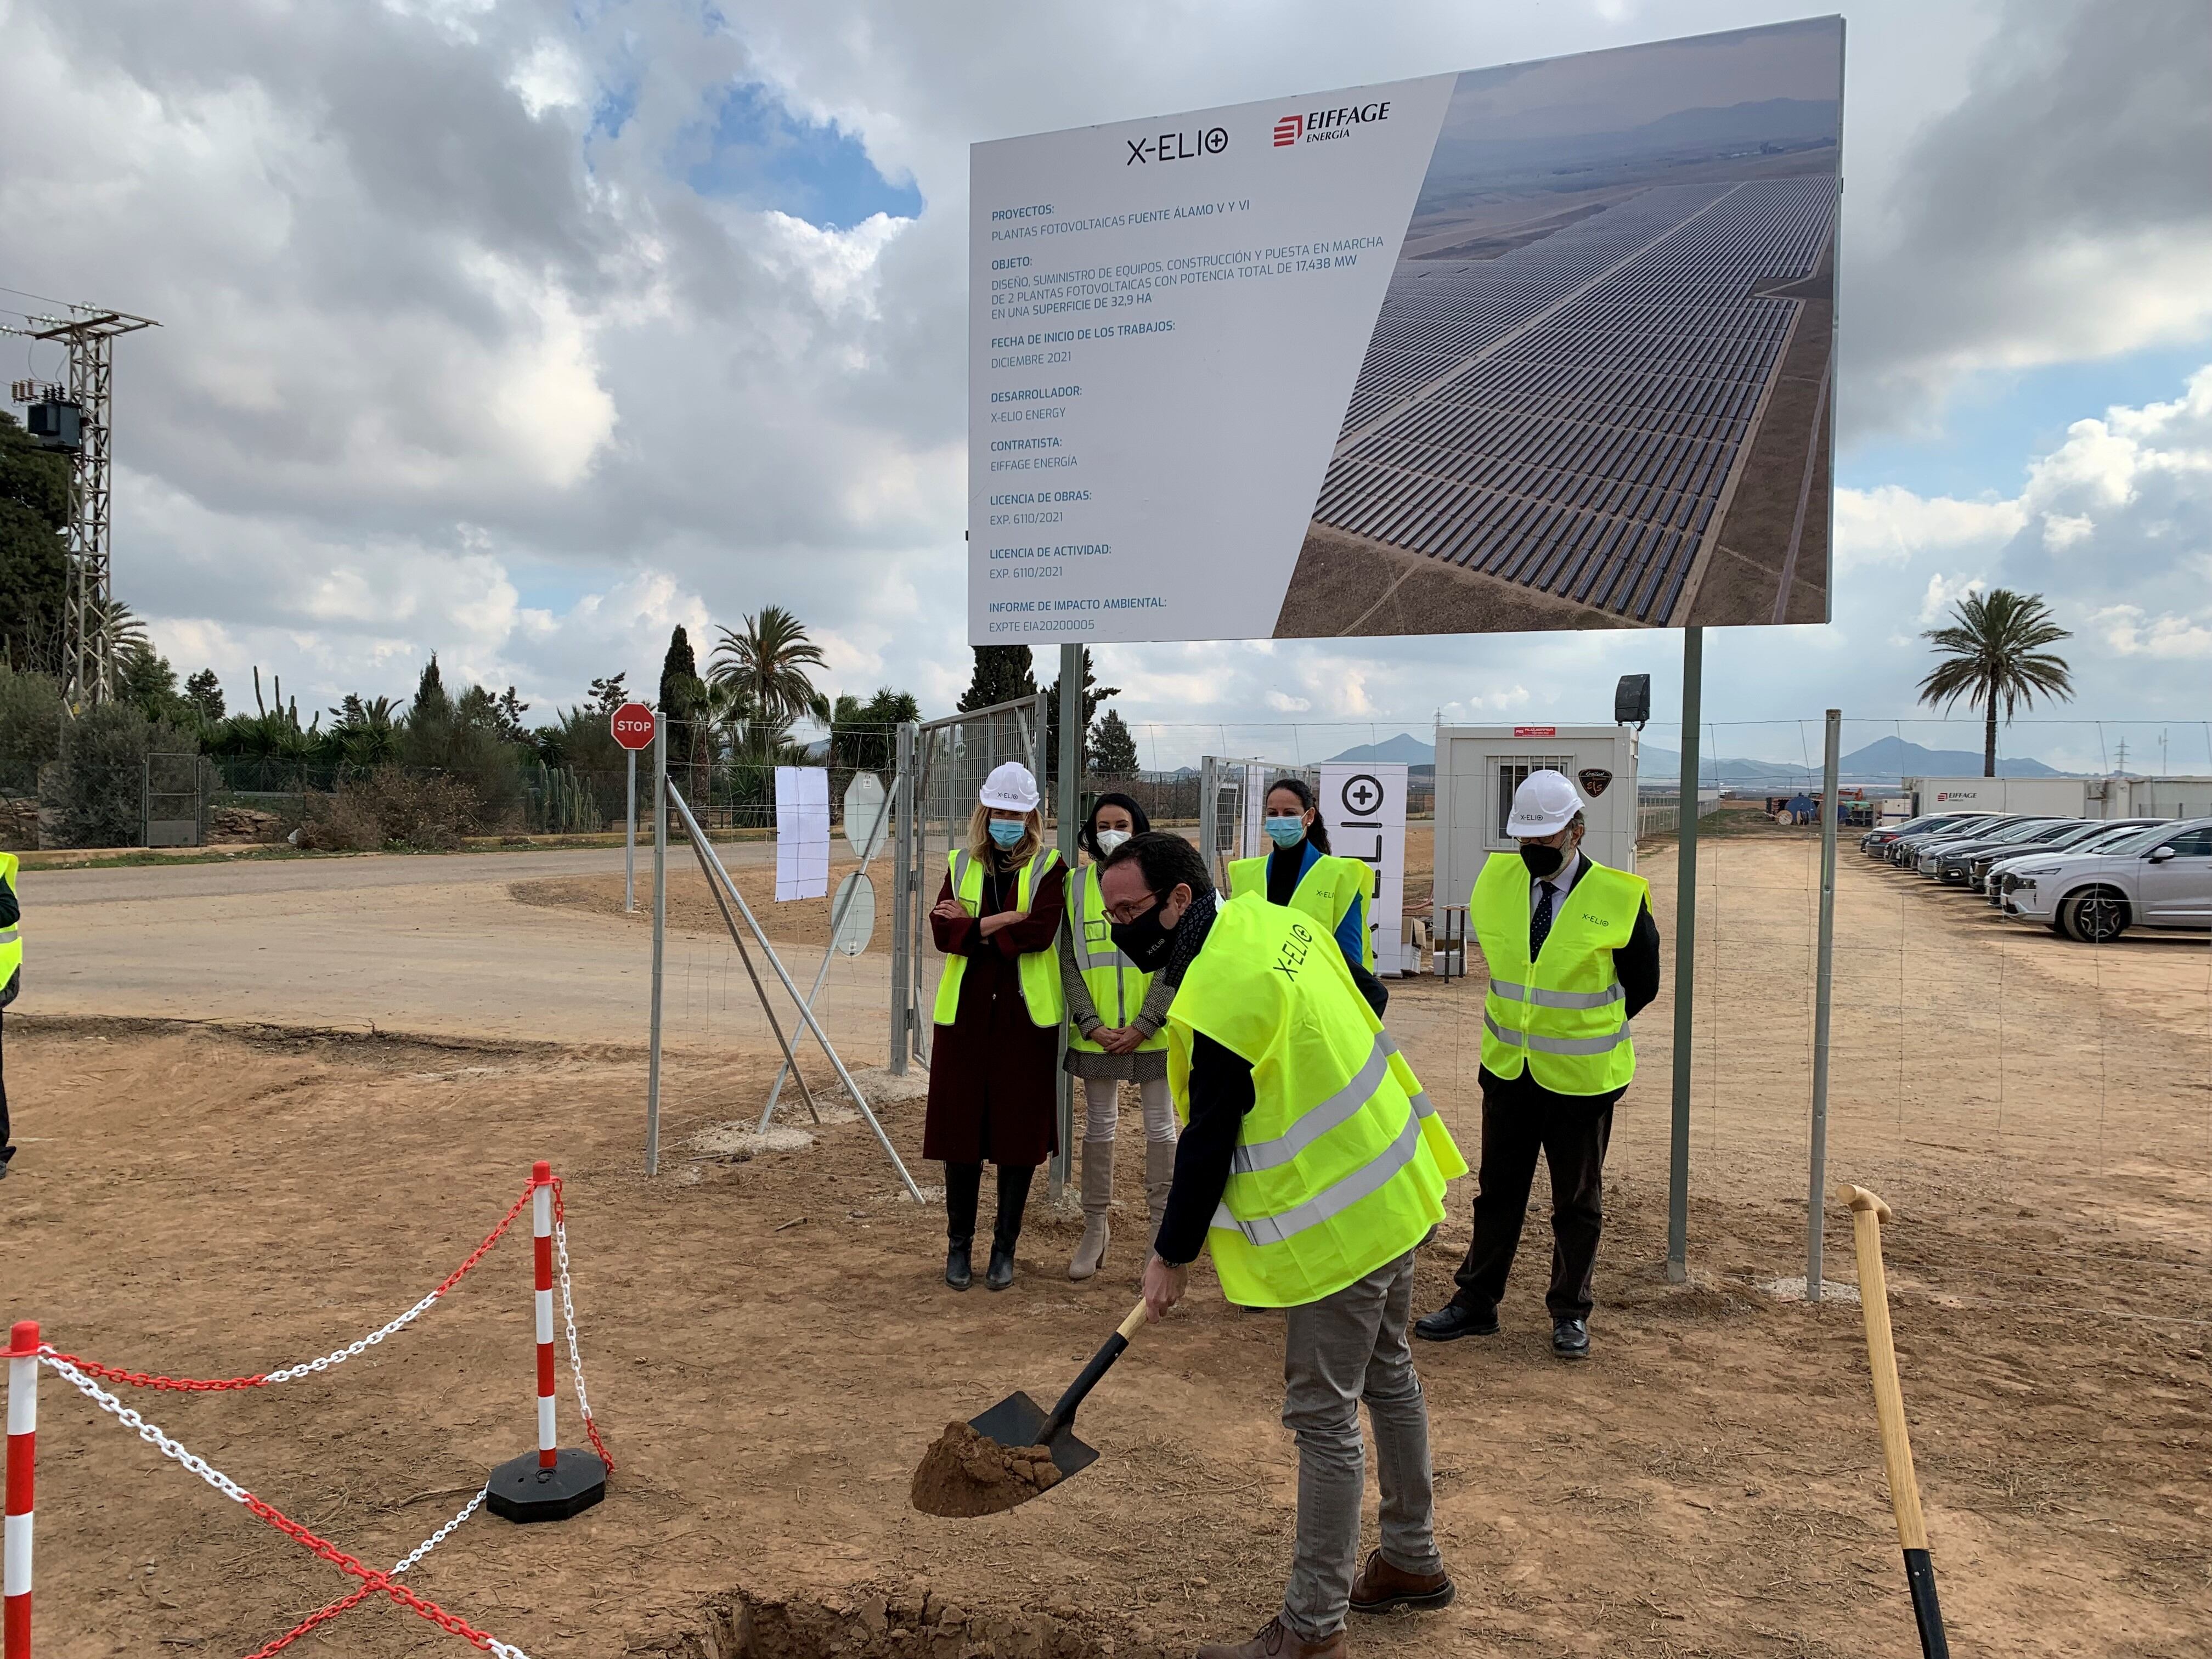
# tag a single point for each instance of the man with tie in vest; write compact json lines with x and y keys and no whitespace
{"x":1310,"y":1167}
{"x":1573,"y":956}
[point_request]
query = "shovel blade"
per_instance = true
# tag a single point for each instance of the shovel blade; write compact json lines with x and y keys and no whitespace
{"x":1018,"y":1421}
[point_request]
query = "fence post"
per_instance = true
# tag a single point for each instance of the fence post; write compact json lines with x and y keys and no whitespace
{"x":629,"y":838}
{"x":905,"y":856}
{"x":22,"y":1449}
{"x":1686,"y":956}
{"x":1823,"y":986}
{"x":659,"y":938}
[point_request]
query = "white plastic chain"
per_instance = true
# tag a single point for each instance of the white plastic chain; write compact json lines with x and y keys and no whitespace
{"x":354,"y":1350}
{"x":569,"y":1317}
{"x":152,"y":1435}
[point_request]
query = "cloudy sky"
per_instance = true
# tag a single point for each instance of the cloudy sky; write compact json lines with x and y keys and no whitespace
{"x":520,"y":331}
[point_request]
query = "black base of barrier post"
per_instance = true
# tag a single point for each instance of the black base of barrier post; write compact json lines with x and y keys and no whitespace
{"x":523,"y":1489}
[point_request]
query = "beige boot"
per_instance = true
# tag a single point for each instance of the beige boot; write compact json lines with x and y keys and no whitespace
{"x":1097,"y":1196}
{"x":1159,"y":1176}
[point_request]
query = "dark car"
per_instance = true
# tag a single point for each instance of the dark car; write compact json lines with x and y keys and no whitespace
{"x":1877,"y":843}
{"x":1953,"y":860}
{"x":1906,"y":848}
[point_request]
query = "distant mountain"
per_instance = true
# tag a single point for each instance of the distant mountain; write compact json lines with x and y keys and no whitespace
{"x":1887,"y":760}
{"x":1404,"y":747}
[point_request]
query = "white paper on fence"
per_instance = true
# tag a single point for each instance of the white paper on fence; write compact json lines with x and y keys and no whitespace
{"x":802,"y":832}
{"x":1363,"y":803}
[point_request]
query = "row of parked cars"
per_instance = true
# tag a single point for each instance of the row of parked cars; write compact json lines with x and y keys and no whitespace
{"x":2084,"y":878}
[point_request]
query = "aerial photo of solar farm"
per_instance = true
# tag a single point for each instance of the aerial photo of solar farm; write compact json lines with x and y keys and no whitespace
{"x":1598,"y":392}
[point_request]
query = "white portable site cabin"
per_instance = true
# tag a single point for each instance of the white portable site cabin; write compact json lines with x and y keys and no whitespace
{"x":2073,"y":798}
{"x":1479,"y":768}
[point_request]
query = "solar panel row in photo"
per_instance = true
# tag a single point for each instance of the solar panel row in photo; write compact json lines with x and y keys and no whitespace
{"x":1564,"y":416}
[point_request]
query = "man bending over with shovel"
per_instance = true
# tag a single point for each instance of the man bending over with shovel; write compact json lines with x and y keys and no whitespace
{"x":1310,"y":1165}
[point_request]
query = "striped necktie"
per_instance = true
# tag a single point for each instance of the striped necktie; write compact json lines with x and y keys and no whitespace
{"x":1540,"y":924}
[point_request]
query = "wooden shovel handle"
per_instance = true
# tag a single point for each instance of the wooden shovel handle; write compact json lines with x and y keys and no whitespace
{"x":1868,"y":1213}
{"x":1134,"y":1322}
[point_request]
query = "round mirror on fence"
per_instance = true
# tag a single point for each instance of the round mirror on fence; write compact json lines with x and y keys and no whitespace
{"x":854,"y":907}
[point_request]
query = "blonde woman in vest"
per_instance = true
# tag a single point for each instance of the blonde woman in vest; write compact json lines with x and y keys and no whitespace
{"x":1310,"y":1168}
{"x":992,"y":1093}
{"x":1573,"y":956}
{"x":1302,"y":873}
{"x":1120,"y":1016}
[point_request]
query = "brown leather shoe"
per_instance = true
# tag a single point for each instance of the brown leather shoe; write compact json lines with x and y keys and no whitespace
{"x":1381,"y":1587}
{"x":1279,"y":1641}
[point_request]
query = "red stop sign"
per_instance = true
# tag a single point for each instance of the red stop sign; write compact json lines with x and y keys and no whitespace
{"x":632,"y":724}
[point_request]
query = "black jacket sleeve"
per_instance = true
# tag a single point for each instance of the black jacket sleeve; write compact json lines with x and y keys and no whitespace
{"x":10,"y":911}
{"x":1637,"y":963}
{"x":1220,"y":1095}
{"x":1377,"y":994}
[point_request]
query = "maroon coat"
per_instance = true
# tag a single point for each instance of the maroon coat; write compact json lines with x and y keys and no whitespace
{"x":994,"y":1089}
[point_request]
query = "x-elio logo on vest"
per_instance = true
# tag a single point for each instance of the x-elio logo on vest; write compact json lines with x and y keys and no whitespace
{"x":1288,"y":128}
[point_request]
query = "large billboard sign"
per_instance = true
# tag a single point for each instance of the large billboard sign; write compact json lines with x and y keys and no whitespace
{"x":1541,"y":346}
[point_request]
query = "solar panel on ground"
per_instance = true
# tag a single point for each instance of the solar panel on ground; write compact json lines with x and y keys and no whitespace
{"x":1565,"y":416}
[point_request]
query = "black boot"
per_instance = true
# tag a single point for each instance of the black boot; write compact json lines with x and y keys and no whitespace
{"x":1006,"y":1230}
{"x":963,"y":1184}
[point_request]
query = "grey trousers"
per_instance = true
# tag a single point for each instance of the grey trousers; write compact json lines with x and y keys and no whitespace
{"x":1338,"y":1352}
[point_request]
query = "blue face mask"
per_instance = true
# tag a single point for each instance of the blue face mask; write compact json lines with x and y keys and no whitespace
{"x":1007,"y":832}
{"x":1286,"y":832}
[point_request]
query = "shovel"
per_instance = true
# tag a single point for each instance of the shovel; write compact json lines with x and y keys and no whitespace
{"x":1016,"y":1420}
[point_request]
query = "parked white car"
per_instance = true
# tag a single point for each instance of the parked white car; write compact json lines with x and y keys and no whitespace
{"x":2161,"y":877}
{"x":2103,"y":837}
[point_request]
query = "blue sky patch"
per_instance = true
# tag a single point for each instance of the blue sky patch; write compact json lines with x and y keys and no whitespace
{"x":758,"y":153}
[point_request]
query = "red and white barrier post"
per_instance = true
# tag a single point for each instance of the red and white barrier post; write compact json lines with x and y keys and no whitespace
{"x":541,"y":1238}
{"x":554,"y":1484}
{"x":22,"y":1450}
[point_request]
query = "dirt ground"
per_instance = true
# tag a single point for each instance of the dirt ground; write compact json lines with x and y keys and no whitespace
{"x":768,"y":1348}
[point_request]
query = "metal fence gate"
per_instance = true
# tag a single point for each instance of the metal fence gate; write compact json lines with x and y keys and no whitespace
{"x":1232,"y":797}
{"x":941,"y":766}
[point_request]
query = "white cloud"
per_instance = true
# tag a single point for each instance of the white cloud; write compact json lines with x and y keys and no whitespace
{"x":1890,"y":525}
{"x":1944,"y":591}
{"x":2130,"y":632}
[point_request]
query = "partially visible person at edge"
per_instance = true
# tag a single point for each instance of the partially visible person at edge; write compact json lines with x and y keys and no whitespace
{"x":12,"y":982}
{"x":1309,"y":1201}
{"x":1303,"y":873}
{"x":992,"y":1093}
{"x":1573,"y":955}
{"x":1119,"y":1015}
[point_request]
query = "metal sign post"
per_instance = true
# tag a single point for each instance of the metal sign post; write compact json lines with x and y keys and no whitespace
{"x":630,"y":839}
{"x":659,"y":941}
{"x":1824,"y":987}
{"x":1685,"y":956}
{"x":1067,"y":804}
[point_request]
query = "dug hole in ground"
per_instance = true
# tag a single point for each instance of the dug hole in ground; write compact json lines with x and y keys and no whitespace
{"x":769,"y":1349}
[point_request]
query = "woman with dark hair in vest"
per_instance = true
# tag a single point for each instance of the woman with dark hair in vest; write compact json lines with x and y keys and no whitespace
{"x":1120,"y":1016}
{"x":992,"y":1093}
{"x":1301,"y":873}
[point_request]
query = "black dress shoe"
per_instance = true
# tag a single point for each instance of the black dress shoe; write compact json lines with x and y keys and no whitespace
{"x":1570,"y":1338}
{"x":1454,"y":1320}
{"x":1000,"y":1272}
{"x":959,"y":1273}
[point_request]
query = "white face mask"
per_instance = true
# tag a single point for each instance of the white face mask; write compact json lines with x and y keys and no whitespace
{"x":1109,"y":839}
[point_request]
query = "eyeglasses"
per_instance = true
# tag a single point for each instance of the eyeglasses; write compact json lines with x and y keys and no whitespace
{"x":1124,"y":915}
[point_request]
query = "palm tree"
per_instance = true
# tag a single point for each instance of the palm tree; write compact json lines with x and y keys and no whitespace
{"x":761,"y":667}
{"x":1992,"y":652}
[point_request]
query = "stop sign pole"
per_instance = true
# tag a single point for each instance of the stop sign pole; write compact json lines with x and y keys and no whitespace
{"x":633,"y":727}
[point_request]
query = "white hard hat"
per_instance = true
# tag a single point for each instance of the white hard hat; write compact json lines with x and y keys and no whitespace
{"x":1545,"y":804}
{"x":1009,"y":788}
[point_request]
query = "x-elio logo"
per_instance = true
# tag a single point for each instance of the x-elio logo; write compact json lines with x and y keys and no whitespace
{"x":1288,"y":128}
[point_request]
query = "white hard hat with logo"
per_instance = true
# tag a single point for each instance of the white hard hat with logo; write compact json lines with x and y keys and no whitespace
{"x":1545,"y":804}
{"x":1009,"y":788}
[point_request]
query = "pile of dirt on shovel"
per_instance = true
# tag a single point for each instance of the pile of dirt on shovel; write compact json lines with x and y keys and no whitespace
{"x":964,"y":1474}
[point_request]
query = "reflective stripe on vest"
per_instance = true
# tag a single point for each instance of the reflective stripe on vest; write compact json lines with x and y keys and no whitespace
{"x":1562,"y":1018}
{"x":1110,"y":977}
{"x":1341,"y":1161}
{"x":1039,"y":970}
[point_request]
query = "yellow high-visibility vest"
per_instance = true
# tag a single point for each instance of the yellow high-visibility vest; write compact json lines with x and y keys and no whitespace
{"x":1564,"y":1016}
{"x":1327,"y":891}
{"x":1117,"y":985}
{"x":1341,"y":1163}
{"x":1040,"y":969}
{"x":11,"y":938}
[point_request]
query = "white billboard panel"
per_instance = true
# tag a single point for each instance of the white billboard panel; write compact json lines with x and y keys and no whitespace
{"x":1541,"y":346}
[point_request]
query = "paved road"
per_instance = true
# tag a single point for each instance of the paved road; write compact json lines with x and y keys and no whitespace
{"x":427,"y":943}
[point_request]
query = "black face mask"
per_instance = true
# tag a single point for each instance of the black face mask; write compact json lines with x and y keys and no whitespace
{"x":1145,"y":941}
{"x":1541,"y":861}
